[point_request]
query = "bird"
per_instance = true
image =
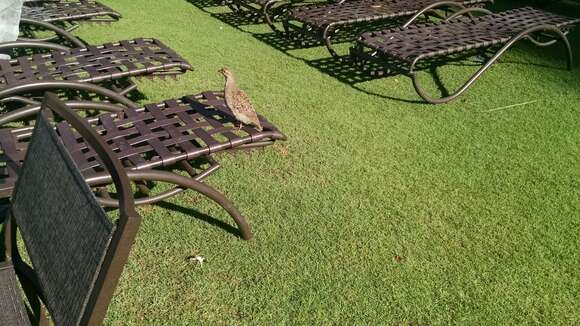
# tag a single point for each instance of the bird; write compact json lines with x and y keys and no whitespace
{"x":238,"y":102}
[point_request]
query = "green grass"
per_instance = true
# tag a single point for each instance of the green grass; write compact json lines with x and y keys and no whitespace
{"x":481,"y":204}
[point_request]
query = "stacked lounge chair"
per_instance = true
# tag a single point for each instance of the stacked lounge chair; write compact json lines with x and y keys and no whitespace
{"x":409,"y":46}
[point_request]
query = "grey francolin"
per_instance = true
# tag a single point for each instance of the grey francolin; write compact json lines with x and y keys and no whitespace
{"x":238,"y":101}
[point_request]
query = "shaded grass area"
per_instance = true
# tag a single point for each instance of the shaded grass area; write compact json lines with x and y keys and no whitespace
{"x":378,"y":210}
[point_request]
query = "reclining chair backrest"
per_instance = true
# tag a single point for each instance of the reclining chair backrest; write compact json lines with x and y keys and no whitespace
{"x":76,"y":251}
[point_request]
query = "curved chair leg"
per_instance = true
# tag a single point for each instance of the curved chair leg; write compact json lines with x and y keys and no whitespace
{"x":52,"y":85}
{"x":182,"y":184}
{"x":56,"y":35}
{"x":523,"y":35}
{"x":430,"y":8}
{"x":233,"y":6}
{"x":326,"y":35}
{"x":20,"y":99}
{"x":267,"y":14}
{"x":59,"y":31}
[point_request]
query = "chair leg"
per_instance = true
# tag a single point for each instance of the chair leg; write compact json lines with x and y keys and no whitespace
{"x":182,"y":183}
{"x":270,"y":14}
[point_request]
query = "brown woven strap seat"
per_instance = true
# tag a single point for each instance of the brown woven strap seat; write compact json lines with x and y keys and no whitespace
{"x":439,"y":39}
{"x":68,"y":11}
{"x":157,"y":135}
{"x":260,"y":2}
{"x":457,"y":37}
{"x":350,"y":12}
{"x":324,"y":21}
{"x":93,"y":64}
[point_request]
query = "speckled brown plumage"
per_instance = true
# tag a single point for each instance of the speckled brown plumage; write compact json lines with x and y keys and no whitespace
{"x":238,"y":102}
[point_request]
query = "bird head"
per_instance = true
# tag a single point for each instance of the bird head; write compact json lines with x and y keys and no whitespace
{"x":226,"y":72}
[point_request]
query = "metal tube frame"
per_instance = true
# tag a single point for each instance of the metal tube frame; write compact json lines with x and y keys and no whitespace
{"x":526,"y":34}
{"x":51,"y":27}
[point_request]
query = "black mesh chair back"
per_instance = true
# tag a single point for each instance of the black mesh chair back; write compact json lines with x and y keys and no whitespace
{"x":77,"y":252}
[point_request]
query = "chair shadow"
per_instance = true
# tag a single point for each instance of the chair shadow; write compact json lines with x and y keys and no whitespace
{"x":342,"y":69}
{"x":204,"y":4}
{"x":200,"y":216}
{"x":231,"y":18}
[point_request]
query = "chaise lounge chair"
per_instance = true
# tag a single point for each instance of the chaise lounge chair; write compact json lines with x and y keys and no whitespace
{"x":151,"y":141}
{"x":69,"y":11}
{"x":268,"y":10}
{"x":324,"y":21}
{"x":77,"y":253}
{"x":407,"y":47}
{"x":61,"y":18}
{"x":81,"y":68}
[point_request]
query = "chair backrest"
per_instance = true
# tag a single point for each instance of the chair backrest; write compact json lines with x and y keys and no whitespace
{"x":77,"y":253}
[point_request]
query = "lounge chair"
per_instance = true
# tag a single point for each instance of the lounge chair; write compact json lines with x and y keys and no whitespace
{"x":151,"y":141}
{"x":268,"y":10}
{"x":77,"y":253}
{"x":324,"y":21}
{"x":61,"y":18}
{"x":82,"y":68}
{"x":409,"y":46}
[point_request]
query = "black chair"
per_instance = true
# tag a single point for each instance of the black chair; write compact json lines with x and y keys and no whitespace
{"x":77,"y":252}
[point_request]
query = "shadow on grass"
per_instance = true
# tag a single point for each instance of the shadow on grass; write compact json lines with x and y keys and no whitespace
{"x":205,"y":4}
{"x":200,"y":216}
{"x":346,"y":72}
{"x":4,"y":206}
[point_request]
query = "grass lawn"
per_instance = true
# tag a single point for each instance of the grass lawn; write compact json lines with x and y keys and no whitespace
{"x":379,"y":209}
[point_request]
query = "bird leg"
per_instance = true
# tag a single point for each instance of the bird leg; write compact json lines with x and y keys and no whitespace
{"x":240,"y":127}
